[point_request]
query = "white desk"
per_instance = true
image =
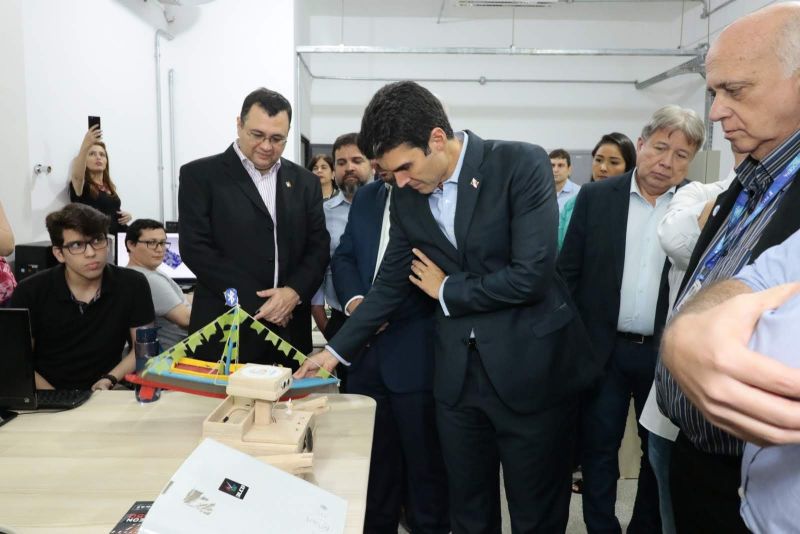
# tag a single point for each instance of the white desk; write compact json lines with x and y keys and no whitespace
{"x":79,"y":471}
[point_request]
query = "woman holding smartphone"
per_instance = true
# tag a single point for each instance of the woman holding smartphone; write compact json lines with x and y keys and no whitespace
{"x":90,"y":181}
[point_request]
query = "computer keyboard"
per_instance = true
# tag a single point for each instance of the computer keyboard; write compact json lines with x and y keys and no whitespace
{"x":61,"y":399}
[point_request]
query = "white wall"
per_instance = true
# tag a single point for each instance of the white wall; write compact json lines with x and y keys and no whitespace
{"x":93,"y":57}
{"x":565,"y":115}
{"x":568,"y":115}
{"x":65,"y":59}
{"x":15,"y":179}
{"x":231,"y":48}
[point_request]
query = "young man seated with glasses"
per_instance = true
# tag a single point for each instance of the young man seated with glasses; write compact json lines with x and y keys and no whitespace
{"x":83,"y":311}
{"x":147,"y":244}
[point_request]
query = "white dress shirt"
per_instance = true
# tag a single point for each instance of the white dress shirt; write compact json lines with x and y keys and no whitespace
{"x":266,"y":183}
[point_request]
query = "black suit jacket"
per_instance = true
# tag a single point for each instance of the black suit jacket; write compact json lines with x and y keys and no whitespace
{"x":502,"y":282}
{"x":592,"y":259}
{"x":405,"y":348}
{"x":227,"y":241}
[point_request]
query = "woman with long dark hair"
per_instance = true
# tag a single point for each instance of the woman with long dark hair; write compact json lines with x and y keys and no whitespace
{"x":613,"y":155}
{"x":322,"y":166}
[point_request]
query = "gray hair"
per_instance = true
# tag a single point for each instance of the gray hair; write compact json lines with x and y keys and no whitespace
{"x":673,"y":118}
{"x":787,"y":43}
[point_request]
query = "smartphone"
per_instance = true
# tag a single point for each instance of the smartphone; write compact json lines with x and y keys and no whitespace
{"x":94,"y":120}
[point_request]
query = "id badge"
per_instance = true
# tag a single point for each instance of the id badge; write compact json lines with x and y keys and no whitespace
{"x":693,"y":290}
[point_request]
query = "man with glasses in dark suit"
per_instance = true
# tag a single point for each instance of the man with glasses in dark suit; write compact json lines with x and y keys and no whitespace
{"x":252,"y":220}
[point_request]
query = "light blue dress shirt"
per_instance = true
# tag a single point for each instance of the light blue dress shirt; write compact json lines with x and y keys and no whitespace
{"x":770,"y":488}
{"x":644,"y":261}
{"x":771,"y":475}
{"x":775,"y":266}
{"x":336,"y":209}
{"x":570,"y":190}
{"x":443,"y":207}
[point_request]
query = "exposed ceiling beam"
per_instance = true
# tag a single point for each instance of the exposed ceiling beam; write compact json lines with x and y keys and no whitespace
{"x":499,"y":51}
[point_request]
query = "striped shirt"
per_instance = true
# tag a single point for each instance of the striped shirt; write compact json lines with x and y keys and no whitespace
{"x":267,"y":186}
{"x":755,"y":177}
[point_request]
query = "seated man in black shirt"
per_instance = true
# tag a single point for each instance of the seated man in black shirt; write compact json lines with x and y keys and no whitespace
{"x":83,"y":311}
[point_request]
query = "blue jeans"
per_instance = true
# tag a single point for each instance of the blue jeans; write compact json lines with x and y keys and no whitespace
{"x":659,"y":452}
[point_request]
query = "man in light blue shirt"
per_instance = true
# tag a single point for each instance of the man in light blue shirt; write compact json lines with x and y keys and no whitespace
{"x":771,"y":475}
{"x":351,"y":171}
{"x":562,"y":170}
{"x":614,"y":265}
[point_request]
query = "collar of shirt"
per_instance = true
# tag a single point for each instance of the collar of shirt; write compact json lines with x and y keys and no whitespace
{"x":636,"y":191}
{"x":335,"y":201}
{"x":758,"y":175}
{"x":250,"y":166}
{"x":569,"y":187}
{"x":64,"y":292}
{"x":453,"y":179}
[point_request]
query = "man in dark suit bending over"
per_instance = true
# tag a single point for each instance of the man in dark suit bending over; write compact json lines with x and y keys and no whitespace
{"x":252,"y":220}
{"x":478,"y":235}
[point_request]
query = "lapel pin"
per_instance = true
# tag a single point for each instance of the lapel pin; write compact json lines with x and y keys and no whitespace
{"x":474,"y":183}
{"x":288,"y":184}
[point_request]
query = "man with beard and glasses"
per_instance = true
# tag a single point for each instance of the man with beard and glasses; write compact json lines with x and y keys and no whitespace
{"x":351,"y":170}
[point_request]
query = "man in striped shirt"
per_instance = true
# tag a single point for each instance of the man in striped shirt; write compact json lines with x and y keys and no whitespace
{"x":753,"y":70}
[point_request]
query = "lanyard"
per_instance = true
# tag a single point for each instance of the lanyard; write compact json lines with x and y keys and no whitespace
{"x":728,"y":238}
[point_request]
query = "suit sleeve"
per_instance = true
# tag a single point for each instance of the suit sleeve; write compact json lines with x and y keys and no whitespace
{"x":198,"y":249}
{"x":307,"y":276}
{"x":388,"y":292}
{"x":347,"y":280}
{"x":528,"y":276}
{"x":570,"y":261}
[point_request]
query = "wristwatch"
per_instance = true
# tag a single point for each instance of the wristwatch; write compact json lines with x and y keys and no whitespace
{"x":111,"y":378}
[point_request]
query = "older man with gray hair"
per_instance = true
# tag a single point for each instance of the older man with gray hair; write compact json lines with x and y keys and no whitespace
{"x":616,"y":271}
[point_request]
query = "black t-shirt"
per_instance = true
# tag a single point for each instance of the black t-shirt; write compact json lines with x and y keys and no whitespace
{"x":76,"y":343}
{"x":105,"y":203}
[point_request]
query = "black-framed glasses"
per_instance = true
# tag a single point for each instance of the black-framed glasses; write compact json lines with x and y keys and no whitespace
{"x":79,"y":247}
{"x":260,"y":137}
{"x":154,"y":244}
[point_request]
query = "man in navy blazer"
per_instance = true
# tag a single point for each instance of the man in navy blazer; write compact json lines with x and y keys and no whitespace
{"x":396,"y":369}
{"x":617,"y":272}
{"x":512,"y":356}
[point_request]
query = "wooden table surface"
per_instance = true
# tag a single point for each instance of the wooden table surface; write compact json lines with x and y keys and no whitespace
{"x":79,"y":471}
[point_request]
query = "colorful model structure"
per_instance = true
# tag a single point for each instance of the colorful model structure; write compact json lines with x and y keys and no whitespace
{"x":176,"y":369}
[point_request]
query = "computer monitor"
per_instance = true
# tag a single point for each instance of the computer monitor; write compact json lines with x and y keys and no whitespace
{"x":17,"y":390}
{"x":172,"y":266}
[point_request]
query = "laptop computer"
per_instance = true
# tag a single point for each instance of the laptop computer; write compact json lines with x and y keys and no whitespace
{"x":17,"y":384}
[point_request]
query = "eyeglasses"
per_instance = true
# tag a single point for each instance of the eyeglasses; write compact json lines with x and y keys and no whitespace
{"x":154,"y":244}
{"x":79,"y":247}
{"x":274,"y":140}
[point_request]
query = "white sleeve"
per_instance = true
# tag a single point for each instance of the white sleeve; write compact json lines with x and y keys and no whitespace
{"x":678,"y":230}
